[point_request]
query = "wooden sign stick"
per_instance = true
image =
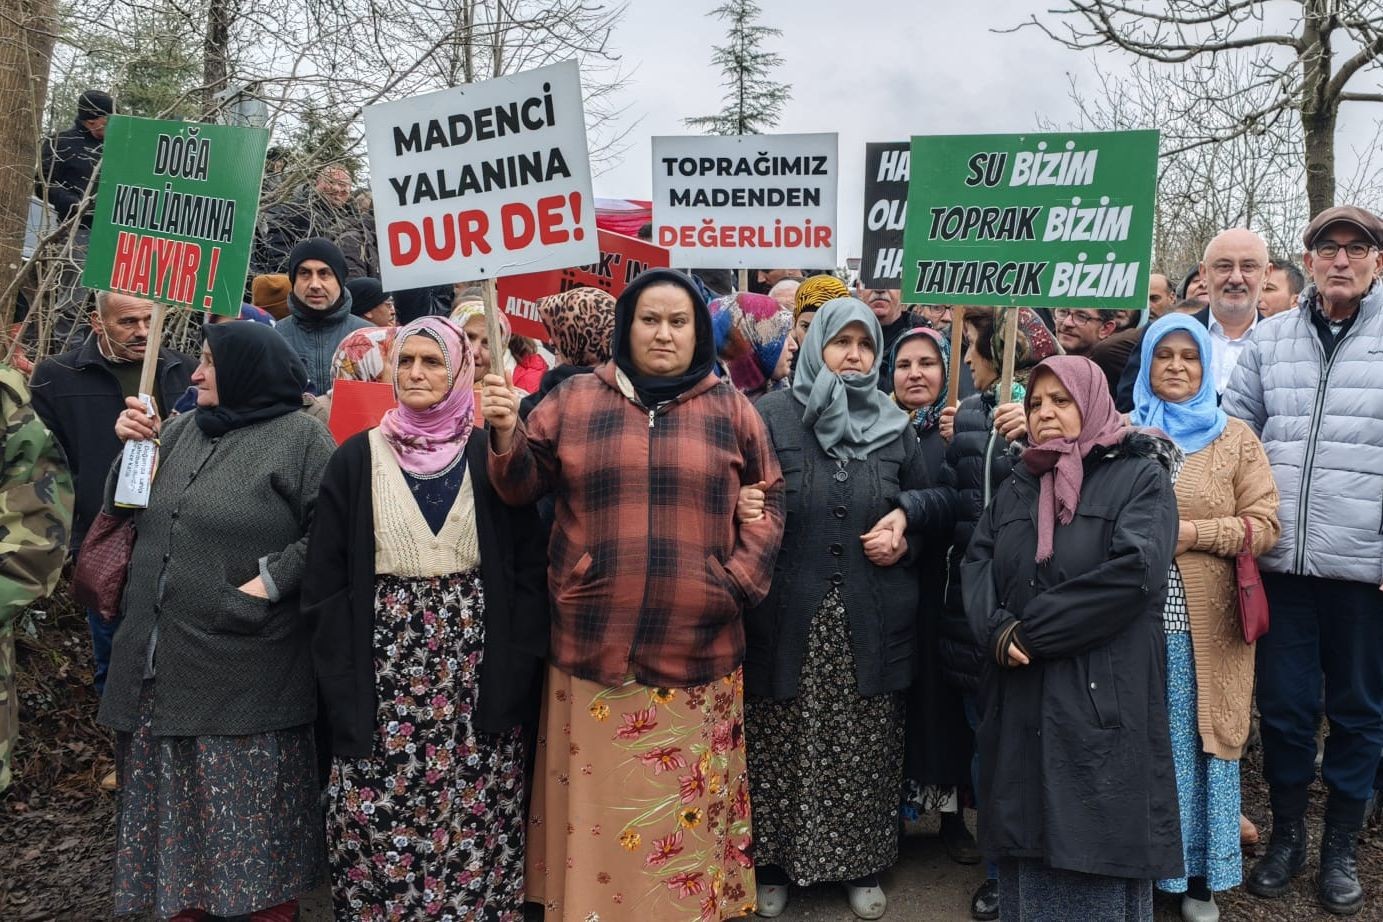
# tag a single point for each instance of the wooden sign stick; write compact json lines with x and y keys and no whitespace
{"x":146,"y":374}
{"x":744,"y":280}
{"x":494,"y":331}
{"x":1010,"y":354}
{"x":957,"y":347}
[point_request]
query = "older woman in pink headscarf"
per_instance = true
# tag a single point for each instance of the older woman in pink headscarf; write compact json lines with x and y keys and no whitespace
{"x":1076,"y":771}
{"x":430,"y":605}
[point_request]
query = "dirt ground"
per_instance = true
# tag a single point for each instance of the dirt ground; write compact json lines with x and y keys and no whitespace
{"x":57,"y":828}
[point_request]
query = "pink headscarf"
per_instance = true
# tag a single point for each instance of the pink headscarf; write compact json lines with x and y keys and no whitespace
{"x":1060,"y":463}
{"x":427,"y":441}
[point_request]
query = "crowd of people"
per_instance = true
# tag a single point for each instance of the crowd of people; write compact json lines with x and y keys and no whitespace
{"x":716,"y":593}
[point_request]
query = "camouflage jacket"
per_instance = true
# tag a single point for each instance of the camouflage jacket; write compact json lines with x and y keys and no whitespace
{"x":36,"y":498}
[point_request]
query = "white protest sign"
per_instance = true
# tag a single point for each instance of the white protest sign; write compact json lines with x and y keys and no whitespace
{"x":746,"y":201}
{"x":482,"y":180}
{"x":138,"y":462}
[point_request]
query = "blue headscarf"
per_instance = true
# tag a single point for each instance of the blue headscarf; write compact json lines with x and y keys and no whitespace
{"x":1195,"y":422}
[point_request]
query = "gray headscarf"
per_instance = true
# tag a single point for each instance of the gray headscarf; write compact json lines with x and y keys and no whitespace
{"x":849,"y":414}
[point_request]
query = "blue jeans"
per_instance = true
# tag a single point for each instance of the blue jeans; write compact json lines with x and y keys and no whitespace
{"x":972,"y":717}
{"x":1327,"y":634}
{"x":102,"y":633}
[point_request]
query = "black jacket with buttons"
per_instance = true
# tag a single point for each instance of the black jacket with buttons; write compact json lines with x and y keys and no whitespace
{"x":821,"y":549}
{"x":1075,"y":753}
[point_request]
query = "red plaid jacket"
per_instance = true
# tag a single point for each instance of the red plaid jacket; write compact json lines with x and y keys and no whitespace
{"x":649,"y":572}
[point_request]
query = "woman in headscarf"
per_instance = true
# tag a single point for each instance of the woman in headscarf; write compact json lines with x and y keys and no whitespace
{"x":938,"y":742}
{"x":641,"y":802}
{"x":469,"y":315}
{"x":811,"y":295}
{"x":580,"y":324}
{"x":984,"y":433}
{"x":1224,"y":485}
{"x":753,"y":341}
{"x":830,"y":649}
{"x":210,"y":689}
{"x":362,"y":356}
{"x":431,"y":620}
{"x":1065,"y":582}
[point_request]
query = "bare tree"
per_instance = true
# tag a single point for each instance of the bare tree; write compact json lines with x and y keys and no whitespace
{"x":753,"y":101}
{"x":1304,"y":58}
{"x":27,"y":32}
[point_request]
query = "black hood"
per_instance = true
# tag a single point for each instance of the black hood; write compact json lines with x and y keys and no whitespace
{"x":651,"y":390}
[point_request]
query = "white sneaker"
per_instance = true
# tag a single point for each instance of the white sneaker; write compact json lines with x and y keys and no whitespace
{"x":867,"y":902}
{"x":1193,"y":910}
{"x":772,"y":899}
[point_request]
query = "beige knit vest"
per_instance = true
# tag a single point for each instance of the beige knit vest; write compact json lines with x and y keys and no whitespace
{"x":404,"y":544}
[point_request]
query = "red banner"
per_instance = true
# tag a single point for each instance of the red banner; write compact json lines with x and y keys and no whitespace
{"x":622,"y":259}
{"x":357,"y":406}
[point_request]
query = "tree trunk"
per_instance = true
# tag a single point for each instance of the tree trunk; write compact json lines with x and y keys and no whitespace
{"x":1318,"y":112}
{"x":27,"y":30}
{"x":221,"y":15}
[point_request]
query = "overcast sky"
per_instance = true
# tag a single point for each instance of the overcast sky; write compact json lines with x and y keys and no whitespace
{"x":871,"y":70}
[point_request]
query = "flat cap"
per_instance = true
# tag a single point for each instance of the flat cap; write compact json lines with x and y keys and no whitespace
{"x":1368,"y":223}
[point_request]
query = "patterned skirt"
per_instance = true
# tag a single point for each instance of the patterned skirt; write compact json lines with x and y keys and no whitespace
{"x":1029,"y":891}
{"x":226,"y":824}
{"x":1207,"y":787}
{"x":640,"y":803}
{"x":430,"y":826}
{"x":825,"y":767}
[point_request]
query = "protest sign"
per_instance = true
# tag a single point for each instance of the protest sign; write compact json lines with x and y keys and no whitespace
{"x":357,"y":406}
{"x":483,"y":180}
{"x":885,"y":213}
{"x":175,"y":214}
{"x":1037,"y":220}
{"x":746,"y":201}
{"x":621,"y":260}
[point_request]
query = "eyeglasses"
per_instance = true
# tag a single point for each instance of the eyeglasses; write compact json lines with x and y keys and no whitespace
{"x":1082,"y":318}
{"x":1329,"y":249}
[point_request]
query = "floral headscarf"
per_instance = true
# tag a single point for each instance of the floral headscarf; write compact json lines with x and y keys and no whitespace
{"x":428,"y":441}
{"x":363,"y":355}
{"x":926,"y":418}
{"x":750,"y":332}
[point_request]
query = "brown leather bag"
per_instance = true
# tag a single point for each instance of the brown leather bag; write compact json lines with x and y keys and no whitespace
{"x":103,"y":563}
{"x":1253,"y":604}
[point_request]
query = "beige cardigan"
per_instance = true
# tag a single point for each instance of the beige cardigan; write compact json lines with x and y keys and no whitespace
{"x":1221,"y":484}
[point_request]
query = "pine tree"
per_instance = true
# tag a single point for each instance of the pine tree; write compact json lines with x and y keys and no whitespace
{"x":753,"y":102}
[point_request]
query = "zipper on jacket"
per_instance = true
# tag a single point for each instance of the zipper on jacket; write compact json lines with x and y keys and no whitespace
{"x":652,"y":415}
{"x":1303,"y":504}
{"x":988,"y":460}
{"x":643,"y":602}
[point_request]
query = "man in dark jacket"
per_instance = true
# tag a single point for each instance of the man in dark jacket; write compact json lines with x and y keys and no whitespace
{"x":69,"y":160}
{"x":78,"y":395}
{"x":319,"y":308}
{"x":887,"y":305}
{"x":325,"y":210}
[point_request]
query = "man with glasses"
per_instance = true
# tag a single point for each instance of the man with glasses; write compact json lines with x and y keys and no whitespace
{"x":1233,"y":268}
{"x":1310,"y":383}
{"x":1079,"y":331}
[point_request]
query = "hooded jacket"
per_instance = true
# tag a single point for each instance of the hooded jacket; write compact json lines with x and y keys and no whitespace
{"x":1075,"y":753}
{"x":314,"y":335}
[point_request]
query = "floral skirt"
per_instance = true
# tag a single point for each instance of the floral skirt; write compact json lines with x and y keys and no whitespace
{"x":430,"y":826}
{"x":226,"y":824}
{"x":826,"y":766}
{"x":1207,"y":787}
{"x":640,"y":804}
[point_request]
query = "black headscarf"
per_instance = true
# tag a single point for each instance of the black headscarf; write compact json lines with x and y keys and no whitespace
{"x":655,"y":390}
{"x":258,"y":377}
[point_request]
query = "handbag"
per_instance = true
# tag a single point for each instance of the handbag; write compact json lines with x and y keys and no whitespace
{"x":1253,"y":604}
{"x":103,"y":562}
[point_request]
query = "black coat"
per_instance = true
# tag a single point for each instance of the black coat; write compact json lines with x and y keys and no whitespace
{"x":938,"y":744}
{"x":1075,"y":755}
{"x":339,"y":593}
{"x":821,"y":549}
{"x":68,"y":160}
{"x":78,"y":398}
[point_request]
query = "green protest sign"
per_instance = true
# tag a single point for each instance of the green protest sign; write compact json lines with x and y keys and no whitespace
{"x":1034,"y":220}
{"x":175,"y":214}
